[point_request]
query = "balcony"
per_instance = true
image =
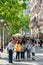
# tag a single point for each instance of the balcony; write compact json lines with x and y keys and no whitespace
{"x":33,"y":4}
{"x":42,"y":17}
{"x":36,"y":4}
{"x":41,"y":1}
{"x":31,"y":25}
{"x":32,"y":16}
{"x":38,"y":10}
{"x":40,"y":23}
{"x":38,"y":16}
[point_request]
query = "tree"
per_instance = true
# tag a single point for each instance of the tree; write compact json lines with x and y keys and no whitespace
{"x":12,"y":12}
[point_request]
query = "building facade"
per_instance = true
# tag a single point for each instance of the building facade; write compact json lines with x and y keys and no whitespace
{"x":36,"y":18}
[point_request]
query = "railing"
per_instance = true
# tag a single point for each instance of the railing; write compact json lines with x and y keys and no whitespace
{"x":34,"y":2}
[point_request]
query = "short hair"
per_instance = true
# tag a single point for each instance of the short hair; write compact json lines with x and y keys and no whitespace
{"x":10,"y":39}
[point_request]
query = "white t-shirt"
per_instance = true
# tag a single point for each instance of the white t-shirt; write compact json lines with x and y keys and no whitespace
{"x":10,"y":46}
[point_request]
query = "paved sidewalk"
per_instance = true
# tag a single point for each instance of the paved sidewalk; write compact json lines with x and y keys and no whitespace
{"x":38,"y":59}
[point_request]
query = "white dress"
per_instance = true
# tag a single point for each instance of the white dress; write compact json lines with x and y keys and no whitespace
{"x":33,"y":49}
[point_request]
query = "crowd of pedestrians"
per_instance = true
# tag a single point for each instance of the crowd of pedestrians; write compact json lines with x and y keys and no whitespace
{"x":21,"y":47}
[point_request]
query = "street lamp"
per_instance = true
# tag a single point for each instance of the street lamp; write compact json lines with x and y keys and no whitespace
{"x":7,"y":27}
{"x":2,"y":29}
{"x":2,"y":20}
{"x":5,"y":24}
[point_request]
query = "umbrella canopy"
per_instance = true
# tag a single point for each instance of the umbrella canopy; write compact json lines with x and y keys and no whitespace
{"x":17,"y":35}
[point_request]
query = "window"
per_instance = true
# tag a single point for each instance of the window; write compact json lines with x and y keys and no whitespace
{"x":40,"y":1}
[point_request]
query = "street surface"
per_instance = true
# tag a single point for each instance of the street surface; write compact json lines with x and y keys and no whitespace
{"x":38,"y":58}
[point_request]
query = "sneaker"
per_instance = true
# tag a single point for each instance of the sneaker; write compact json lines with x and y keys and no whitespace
{"x":0,"y":57}
{"x":33,"y":59}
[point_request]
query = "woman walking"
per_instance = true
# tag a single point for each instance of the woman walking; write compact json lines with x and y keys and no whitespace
{"x":18,"y":50}
{"x":33,"y":52}
{"x":23,"y":47}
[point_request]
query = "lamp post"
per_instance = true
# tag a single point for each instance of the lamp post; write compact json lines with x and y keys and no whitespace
{"x":3,"y":37}
{"x":2,"y":33}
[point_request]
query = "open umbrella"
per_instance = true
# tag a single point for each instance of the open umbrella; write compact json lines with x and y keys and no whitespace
{"x":17,"y":35}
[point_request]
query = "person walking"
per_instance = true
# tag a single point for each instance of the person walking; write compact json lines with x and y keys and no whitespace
{"x":33,"y":51}
{"x":10,"y":51}
{"x":28,"y":49}
{"x":23,"y":47}
{"x":41,"y":42}
{"x":18,"y":50}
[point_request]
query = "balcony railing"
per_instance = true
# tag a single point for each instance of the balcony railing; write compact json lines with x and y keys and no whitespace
{"x":40,"y":23}
{"x":38,"y":10}
{"x":33,"y":4}
{"x":32,"y":16}
{"x":36,"y":4}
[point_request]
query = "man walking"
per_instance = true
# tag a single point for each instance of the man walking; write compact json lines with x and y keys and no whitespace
{"x":10,"y":51}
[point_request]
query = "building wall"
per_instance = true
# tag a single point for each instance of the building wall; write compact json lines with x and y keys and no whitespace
{"x":36,"y":16}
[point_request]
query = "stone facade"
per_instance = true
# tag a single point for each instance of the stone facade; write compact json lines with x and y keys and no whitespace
{"x":36,"y":17}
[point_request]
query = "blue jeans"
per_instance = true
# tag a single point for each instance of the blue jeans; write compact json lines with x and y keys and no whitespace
{"x":28,"y":53}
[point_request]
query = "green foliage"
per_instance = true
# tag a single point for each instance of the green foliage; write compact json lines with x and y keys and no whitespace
{"x":12,"y":12}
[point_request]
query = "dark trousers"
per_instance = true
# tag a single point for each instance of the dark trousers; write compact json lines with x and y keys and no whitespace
{"x":40,"y":45}
{"x":10,"y":56}
{"x":17,"y":55}
{"x":23,"y":55}
{"x":33,"y":54}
